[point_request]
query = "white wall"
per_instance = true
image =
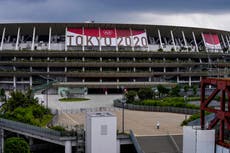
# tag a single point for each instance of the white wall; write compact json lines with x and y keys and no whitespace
{"x":220,"y":149}
{"x":198,"y":141}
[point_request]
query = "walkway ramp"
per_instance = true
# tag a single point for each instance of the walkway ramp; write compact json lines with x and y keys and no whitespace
{"x":159,"y":144}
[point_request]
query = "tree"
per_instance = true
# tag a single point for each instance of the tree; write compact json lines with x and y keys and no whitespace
{"x":145,"y":93}
{"x":186,"y":87}
{"x":16,"y":145}
{"x":130,"y":96}
{"x":162,"y":90}
{"x":175,"y":91}
{"x":194,"y":89}
{"x":18,"y":99}
{"x":3,"y":95}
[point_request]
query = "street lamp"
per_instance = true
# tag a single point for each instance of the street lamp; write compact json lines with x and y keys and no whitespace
{"x":123,"y":101}
{"x":185,"y":101}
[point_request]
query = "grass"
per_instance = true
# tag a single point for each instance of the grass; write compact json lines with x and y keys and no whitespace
{"x":73,"y":99}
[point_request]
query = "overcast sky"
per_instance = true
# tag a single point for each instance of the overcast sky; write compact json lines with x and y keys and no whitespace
{"x":198,"y":13}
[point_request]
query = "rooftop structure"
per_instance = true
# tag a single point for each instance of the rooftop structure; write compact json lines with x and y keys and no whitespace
{"x":108,"y":56}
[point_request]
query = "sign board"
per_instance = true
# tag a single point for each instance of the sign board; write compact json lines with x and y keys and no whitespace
{"x":212,"y":41}
{"x":106,"y":37}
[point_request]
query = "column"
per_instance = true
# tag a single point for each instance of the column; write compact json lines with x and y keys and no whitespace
{"x":223,"y":41}
{"x":204,"y":42}
{"x":66,"y":39}
{"x":194,"y":39}
{"x":65,"y":70}
{"x":99,"y":38}
{"x":159,"y":35}
{"x":227,"y":41}
{"x":116,"y":39}
{"x":33,"y":38}
{"x":185,"y":42}
{"x":50,"y":35}
{"x":14,"y":84}
{"x":68,"y":147}
{"x":83,"y":32}
{"x":31,"y":82}
{"x":190,"y":81}
{"x":17,"y":41}
{"x":3,"y":36}
{"x":147,"y":41}
{"x":131,"y":39}
{"x":173,"y":41}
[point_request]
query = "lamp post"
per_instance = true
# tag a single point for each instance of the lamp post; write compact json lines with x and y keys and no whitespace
{"x":123,"y":101}
{"x":185,"y":101}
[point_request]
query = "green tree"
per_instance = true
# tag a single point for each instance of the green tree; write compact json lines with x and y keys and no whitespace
{"x":175,"y":91}
{"x":145,"y":93}
{"x":3,"y":95}
{"x":18,"y":99}
{"x":162,"y":90}
{"x":16,"y":145}
{"x":130,"y":96}
{"x":186,"y":87}
{"x":194,"y":89}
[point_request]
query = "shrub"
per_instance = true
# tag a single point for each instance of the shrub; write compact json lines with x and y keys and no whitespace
{"x":16,"y":145}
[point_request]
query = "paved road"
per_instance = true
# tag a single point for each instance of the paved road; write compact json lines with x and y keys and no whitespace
{"x":95,"y":101}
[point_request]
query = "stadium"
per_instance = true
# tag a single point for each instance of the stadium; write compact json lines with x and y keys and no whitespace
{"x":107,"y":57}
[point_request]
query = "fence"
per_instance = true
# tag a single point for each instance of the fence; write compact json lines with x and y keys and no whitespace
{"x":84,"y":110}
{"x":117,"y":103}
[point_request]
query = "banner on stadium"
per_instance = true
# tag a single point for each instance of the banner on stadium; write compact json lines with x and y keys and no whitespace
{"x":212,"y":41}
{"x":105,"y":37}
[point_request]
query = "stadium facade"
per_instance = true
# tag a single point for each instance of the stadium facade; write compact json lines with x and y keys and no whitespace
{"x":105,"y":56}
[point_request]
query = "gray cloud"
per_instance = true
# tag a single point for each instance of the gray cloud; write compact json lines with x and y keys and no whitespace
{"x":109,"y":10}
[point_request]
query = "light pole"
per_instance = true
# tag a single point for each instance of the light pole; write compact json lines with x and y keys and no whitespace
{"x":185,"y":101}
{"x":123,"y":101}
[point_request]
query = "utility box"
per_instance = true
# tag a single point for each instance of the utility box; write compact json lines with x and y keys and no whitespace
{"x":101,"y":136}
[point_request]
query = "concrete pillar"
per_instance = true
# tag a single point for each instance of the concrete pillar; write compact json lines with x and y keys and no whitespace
{"x":134,"y":69}
{"x":150,"y":79}
{"x":150,"y":69}
{"x":17,"y":41}
{"x":173,"y":41}
{"x":116,"y":39}
{"x":2,"y":140}
{"x":83,"y":32}
{"x":204,"y":41}
{"x":68,"y":147}
{"x":227,"y":40}
{"x":99,"y":38}
{"x":31,"y":82}
{"x":31,"y":141}
{"x":118,"y":69}
{"x":132,"y":45}
{"x":50,"y":35}
{"x":190,"y":81}
{"x":159,"y":35}
{"x":66,"y":39}
{"x":223,"y":41}
{"x":100,"y":69}
{"x":3,"y":36}
{"x":194,"y":39}
{"x":33,"y":38}
{"x":185,"y":42}
{"x":14,"y":84}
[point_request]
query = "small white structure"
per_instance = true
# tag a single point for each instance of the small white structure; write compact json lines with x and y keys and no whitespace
{"x":101,"y":136}
{"x":220,"y":149}
{"x":196,"y":140}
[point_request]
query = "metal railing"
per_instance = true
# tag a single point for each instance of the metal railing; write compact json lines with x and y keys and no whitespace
{"x":135,"y":143}
{"x":116,"y":103}
{"x":26,"y":128}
